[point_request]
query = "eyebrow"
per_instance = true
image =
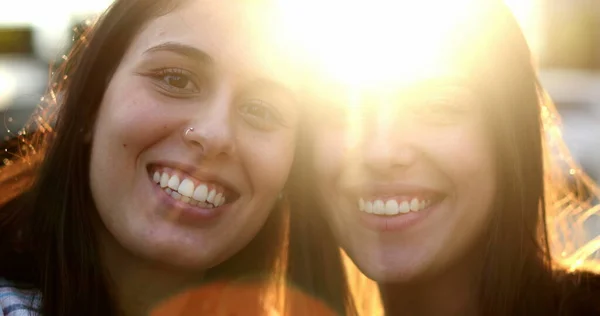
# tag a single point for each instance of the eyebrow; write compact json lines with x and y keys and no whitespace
{"x":183,"y":50}
{"x":270,"y":85}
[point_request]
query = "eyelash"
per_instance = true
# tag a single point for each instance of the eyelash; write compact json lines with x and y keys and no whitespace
{"x":441,"y":111}
{"x":260,"y":122}
{"x":160,"y":76}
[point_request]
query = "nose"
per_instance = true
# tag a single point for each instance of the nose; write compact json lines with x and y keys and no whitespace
{"x":388,"y":145}
{"x":210,"y":132}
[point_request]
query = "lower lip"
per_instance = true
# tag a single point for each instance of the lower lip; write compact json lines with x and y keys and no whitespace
{"x":397,"y":222}
{"x":185,"y":213}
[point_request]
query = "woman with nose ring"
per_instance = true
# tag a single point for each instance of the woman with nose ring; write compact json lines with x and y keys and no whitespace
{"x":157,"y":168}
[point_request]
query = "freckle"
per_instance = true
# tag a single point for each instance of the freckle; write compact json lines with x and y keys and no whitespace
{"x":124,"y":145}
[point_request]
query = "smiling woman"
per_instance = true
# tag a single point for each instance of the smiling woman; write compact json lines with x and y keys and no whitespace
{"x":176,"y":131}
{"x":446,"y":185}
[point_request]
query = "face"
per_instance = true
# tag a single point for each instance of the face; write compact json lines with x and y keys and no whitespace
{"x":194,"y":138}
{"x":407,"y":177}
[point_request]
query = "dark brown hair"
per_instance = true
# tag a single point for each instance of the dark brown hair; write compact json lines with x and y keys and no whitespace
{"x":521,"y":275}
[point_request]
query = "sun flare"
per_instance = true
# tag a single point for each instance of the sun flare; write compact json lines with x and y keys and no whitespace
{"x":370,"y":42}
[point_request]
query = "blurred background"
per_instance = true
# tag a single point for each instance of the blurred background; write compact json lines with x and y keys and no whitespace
{"x":564,"y":36}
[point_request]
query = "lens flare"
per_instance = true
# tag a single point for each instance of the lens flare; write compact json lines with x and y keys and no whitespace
{"x":370,"y":42}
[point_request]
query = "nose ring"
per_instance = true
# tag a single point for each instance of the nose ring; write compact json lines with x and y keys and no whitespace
{"x":189,"y":130}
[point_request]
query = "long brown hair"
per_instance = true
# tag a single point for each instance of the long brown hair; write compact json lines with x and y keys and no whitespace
{"x":523,"y":272}
{"x":533,"y":246}
{"x":46,"y":232}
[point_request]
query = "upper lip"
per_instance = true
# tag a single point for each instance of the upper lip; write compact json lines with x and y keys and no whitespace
{"x":384,"y":190}
{"x":198,"y":173}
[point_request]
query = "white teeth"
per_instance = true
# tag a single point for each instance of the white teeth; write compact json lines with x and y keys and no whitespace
{"x":415,"y":205}
{"x":219,"y":199}
{"x":369,"y":207}
{"x":174,"y":183}
{"x":176,"y":195}
{"x":205,"y":205}
{"x":378,"y":207}
{"x":164,"y":180}
{"x":200,"y":193}
{"x":186,"y":188}
{"x":391,"y":207}
{"x":211,"y":196}
{"x":404,"y":207}
{"x":186,"y":191}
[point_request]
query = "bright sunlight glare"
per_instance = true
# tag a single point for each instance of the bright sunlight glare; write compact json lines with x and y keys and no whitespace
{"x":29,"y":11}
{"x":529,"y":15}
{"x":369,"y":42}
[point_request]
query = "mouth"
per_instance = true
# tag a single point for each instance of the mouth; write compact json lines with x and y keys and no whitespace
{"x":394,"y":209}
{"x":194,"y":192}
{"x":392,"y":206}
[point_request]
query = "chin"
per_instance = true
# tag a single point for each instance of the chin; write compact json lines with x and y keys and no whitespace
{"x":396,"y":274}
{"x":392,"y":269}
{"x":186,"y":263}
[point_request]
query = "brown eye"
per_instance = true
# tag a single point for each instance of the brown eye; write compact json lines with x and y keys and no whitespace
{"x":441,"y":109}
{"x":177,"y":81}
{"x":260,"y":114}
{"x":259,"y":111}
{"x":180,"y":82}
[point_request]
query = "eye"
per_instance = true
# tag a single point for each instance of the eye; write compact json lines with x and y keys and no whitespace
{"x":177,"y":81}
{"x":260,"y":114}
{"x":441,"y":110}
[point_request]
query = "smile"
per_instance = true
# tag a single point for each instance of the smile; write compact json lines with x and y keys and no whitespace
{"x":394,"y":206}
{"x":192,"y":191}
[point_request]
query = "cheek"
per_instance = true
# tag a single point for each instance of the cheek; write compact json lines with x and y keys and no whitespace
{"x":131,"y":118}
{"x":467,"y":158}
{"x":129,"y":121}
{"x":464,"y":152}
{"x":329,"y":153}
{"x":477,"y":160}
{"x":268,"y":159}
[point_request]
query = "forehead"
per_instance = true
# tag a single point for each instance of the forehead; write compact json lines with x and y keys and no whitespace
{"x":238,"y":35}
{"x":437,"y":79}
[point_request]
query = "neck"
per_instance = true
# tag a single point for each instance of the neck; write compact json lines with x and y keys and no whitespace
{"x":139,"y":285}
{"x":451,"y":292}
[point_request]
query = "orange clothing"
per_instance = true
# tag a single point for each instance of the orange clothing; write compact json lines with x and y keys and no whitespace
{"x":239,"y":299}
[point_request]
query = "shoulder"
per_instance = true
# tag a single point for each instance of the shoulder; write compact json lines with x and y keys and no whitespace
{"x":18,"y":301}
{"x":579,"y":293}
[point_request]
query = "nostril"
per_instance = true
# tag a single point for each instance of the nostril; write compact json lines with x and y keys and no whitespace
{"x":209,"y":141}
